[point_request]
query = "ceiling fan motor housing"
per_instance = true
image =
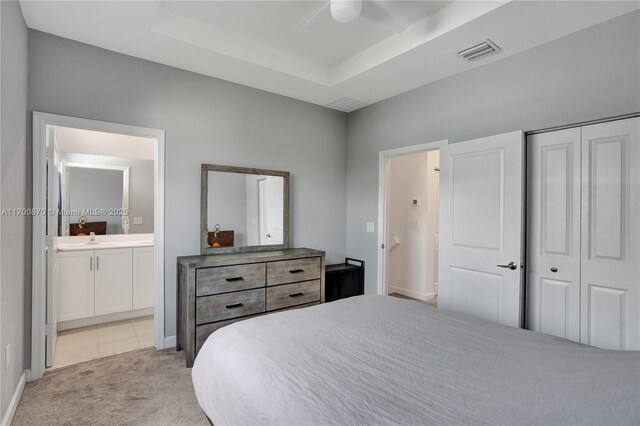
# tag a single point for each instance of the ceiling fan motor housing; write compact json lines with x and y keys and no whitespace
{"x":344,"y":11}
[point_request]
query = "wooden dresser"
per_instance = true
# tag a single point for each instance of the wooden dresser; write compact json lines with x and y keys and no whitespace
{"x":220,"y":289}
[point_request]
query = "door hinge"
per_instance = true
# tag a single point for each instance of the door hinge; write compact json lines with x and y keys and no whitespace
{"x":382,"y":247}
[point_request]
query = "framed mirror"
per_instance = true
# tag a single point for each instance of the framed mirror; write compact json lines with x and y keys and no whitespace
{"x":243,"y":209}
{"x":96,"y":197}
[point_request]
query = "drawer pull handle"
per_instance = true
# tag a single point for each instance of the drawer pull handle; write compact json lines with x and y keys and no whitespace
{"x":298,"y":294}
{"x":296,"y":271}
{"x":235,"y":279}
{"x":235,"y":305}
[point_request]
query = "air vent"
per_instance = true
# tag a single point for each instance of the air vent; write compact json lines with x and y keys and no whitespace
{"x":485,"y":48}
{"x":346,"y":104}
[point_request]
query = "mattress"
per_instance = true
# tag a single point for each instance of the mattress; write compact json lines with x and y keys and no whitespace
{"x":382,"y":360}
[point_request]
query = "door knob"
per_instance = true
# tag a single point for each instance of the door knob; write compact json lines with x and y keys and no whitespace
{"x":554,"y":269}
{"x":268,"y":235}
{"x":510,"y":265}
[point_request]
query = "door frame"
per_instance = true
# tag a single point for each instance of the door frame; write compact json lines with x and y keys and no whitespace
{"x":41,"y":122}
{"x":383,"y":195}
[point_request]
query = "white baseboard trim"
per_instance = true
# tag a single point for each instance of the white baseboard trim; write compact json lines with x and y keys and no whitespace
{"x":410,"y":293}
{"x":170,"y":342}
{"x":102,"y":319}
{"x":15,"y":400}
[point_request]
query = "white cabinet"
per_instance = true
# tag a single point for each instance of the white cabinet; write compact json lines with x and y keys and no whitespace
{"x":584,"y":234}
{"x":113,"y":281}
{"x":104,"y":281}
{"x":143,"y":288}
{"x":75,"y":285}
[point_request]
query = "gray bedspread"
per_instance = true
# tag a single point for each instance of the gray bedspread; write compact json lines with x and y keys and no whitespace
{"x":380,"y":360}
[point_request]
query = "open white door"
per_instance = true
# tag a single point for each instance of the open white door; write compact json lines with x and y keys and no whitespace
{"x":53,"y":205}
{"x":481,"y":228}
{"x":270,"y":205}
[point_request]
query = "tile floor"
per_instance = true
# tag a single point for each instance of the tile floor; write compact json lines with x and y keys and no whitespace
{"x":85,"y":344}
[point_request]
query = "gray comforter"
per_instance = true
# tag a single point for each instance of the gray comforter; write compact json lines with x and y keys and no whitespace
{"x":381,"y":360}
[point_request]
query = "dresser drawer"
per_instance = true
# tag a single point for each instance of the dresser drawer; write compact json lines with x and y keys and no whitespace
{"x":291,"y":271}
{"x":229,"y":305}
{"x":224,"y":279}
{"x":203,"y":331}
{"x":284,"y":296}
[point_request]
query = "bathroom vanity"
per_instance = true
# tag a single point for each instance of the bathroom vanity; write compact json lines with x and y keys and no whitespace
{"x":107,"y":281}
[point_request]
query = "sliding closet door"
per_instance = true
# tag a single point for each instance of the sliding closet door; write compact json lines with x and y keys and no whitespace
{"x":611,"y":235}
{"x":553,"y":264}
{"x":481,"y":232}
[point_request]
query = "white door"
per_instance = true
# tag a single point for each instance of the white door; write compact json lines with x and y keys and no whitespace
{"x":553,"y":258}
{"x":113,"y":281}
{"x":75,"y":289}
{"x":143,"y":289}
{"x":611,"y":235}
{"x":270,"y":190}
{"x":52,"y":206}
{"x":481,"y":228}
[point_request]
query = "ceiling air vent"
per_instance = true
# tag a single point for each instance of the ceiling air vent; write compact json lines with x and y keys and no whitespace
{"x":346,"y":104}
{"x":485,"y":48}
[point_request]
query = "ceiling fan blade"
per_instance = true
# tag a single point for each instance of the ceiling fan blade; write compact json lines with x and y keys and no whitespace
{"x":310,"y":17}
{"x":381,"y":12}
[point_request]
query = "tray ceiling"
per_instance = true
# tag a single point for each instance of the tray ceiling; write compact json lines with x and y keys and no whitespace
{"x":270,"y":45}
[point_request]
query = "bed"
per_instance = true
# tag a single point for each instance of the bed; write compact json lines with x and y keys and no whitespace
{"x":381,"y":360}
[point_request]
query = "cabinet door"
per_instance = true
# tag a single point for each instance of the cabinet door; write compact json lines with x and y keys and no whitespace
{"x":610,"y":288}
{"x":113,"y":281}
{"x":143,"y":288}
{"x":553,"y":272}
{"x":75,"y":285}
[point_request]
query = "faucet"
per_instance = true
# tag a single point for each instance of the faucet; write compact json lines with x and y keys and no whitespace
{"x":93,"y":238}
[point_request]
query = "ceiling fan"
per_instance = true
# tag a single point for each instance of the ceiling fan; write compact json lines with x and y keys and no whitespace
{"x":345,"y":11}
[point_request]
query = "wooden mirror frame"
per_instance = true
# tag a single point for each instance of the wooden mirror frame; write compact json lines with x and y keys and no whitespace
{"x":204,"y":204}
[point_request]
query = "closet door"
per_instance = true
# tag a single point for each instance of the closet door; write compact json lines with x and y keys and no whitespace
{"x":611,"y":235}
{"x":553,"y":280}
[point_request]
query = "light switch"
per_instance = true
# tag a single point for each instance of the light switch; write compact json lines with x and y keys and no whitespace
{"x":371,"y":227}
{"x":137,"y":220}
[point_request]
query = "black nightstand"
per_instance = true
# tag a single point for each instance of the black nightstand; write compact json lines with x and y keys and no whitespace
{"x":344,"y":280}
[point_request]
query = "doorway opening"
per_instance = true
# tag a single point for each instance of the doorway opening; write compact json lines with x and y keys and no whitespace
{"x":98,"y":287}
{"x":409,"y":222}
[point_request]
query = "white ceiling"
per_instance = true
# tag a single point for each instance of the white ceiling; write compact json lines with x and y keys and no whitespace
{"x":270,"y":45}
{"x":80,"y":141}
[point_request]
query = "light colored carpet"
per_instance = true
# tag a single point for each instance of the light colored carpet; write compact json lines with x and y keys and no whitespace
{"x":143,"y":387}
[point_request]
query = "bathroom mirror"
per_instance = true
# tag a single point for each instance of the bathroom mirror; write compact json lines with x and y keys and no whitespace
{"x":94,"y":198}
{"x":243,"y":209}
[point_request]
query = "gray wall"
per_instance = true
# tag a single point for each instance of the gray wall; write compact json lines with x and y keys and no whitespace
{"x":206,"y":121}
{"x":588,"y":75}
{"x":227,"y":204}
{"x":15,"y":263}
{"x":140,"y":186}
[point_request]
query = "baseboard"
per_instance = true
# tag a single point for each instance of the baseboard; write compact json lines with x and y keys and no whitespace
{"x":102,"y":319}
{"x":410,"y":293}
{"x":15,"y":400}
{"x":169,"y":342}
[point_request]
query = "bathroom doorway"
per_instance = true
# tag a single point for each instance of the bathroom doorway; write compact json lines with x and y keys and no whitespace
{"x":98,"y":279}
{"x":409,"y":230}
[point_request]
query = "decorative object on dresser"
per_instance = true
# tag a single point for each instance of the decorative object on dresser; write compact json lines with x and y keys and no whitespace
{"x":215,"y":291}
{"x":344,"y":280}
{"x":218,"y":238}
